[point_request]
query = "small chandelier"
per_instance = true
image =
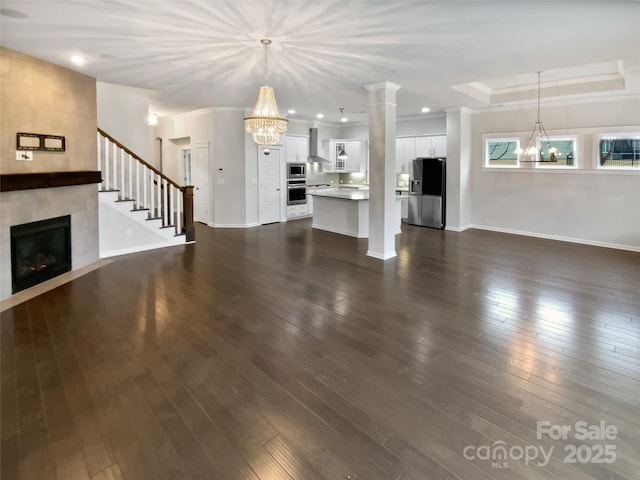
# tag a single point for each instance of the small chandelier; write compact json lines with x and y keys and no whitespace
{"x":532,"y":149}
{"x":265,"y":123}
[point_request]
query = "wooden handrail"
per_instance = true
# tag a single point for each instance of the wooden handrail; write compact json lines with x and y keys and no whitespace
{"x":149,"y":166}
{"x":188,"y":227}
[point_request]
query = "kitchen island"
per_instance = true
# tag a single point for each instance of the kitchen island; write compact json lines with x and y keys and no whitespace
{"x":346,"y":211}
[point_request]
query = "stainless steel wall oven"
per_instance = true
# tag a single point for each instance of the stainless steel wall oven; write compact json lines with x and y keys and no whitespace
{"x":296,"y":192}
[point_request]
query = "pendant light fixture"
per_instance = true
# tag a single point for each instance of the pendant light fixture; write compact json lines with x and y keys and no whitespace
{"x":341,"y":151}
{"x":265,"y":123}
{"x":532,"y":148}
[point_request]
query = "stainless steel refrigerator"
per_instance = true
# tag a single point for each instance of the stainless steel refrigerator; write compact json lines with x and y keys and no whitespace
{"x":427,"y":192}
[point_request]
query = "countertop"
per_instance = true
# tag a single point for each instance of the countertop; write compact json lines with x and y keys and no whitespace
{"x":346,"y":194}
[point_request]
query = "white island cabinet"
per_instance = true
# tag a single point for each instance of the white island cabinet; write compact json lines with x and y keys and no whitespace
{"x":346,"y":211}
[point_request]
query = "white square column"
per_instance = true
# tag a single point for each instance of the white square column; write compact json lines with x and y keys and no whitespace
{"x":382,"y":169}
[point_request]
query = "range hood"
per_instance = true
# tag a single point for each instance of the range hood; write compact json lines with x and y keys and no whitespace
{"x":313,"y":148}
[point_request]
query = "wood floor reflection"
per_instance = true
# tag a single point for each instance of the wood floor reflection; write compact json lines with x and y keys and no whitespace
{"x":282,"y":352}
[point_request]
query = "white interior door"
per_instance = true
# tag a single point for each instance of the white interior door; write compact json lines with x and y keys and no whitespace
{"x":202,"y":193}
{"x":269,"y":182}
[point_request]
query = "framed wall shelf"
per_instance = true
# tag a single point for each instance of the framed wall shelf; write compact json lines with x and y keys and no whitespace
{"x":40,"y":142}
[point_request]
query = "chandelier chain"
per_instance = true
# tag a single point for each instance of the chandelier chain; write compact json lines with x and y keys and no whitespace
{"x":266,"y":43}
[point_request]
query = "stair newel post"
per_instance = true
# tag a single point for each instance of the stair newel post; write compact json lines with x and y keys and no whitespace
{"x":178,"y":211}
{"x":187,"y":210}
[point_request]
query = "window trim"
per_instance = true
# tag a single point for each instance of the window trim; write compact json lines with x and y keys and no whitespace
{"x":597,"y":137}
{"x":488,"y":138}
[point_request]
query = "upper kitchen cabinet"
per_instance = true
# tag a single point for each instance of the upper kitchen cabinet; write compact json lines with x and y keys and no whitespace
{"x":405,"y":152}
{"x":297,"y":149}
{"x":432,"y":146}
{"x":356,"y":155}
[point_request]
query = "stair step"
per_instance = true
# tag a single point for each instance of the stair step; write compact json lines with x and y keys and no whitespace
{"x":167,"y":226}
{"x":154,"y":218}
{"x":107,"y":191}
{"x":125,"y":200}
{"x":140,"y":209}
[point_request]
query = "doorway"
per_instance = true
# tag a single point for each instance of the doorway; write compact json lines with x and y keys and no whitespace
{"x":200,"y":177}
{"x":270,"y":194}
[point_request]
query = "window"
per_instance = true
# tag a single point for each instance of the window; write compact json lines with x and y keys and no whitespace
{"x":619,"y":151}
{"x":501,"y":152}
{"x":557,"y":152}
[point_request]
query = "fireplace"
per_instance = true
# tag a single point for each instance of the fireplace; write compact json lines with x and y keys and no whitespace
{"x":39,"y":251}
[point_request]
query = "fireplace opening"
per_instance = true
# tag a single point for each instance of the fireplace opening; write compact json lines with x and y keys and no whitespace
{"x":40,"y":251}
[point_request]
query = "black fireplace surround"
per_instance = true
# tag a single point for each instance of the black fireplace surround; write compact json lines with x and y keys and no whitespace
{"x":40,"y":251}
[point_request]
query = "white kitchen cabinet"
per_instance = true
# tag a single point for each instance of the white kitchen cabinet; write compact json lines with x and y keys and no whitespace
{"x":356,"y":160}
{"x":405,"y":152}
{"x":297,"y":211}
{"x":297,"y":149}
{"x":431,"y":146}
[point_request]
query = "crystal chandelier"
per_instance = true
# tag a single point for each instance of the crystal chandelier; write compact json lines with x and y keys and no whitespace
{"x":531,"y":149}
{"x":265,"y":123}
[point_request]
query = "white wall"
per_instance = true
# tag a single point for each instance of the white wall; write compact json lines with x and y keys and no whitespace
{"x":229,"y":169}
{"x":586,"y":205}
{"x":232,"y":161}
{"x":123,"y":113}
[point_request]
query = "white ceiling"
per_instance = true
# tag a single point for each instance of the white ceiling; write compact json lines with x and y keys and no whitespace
{"x":201,"y":53}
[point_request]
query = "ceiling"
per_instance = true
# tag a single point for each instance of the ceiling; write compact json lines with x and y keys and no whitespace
{"x":194,"y":54}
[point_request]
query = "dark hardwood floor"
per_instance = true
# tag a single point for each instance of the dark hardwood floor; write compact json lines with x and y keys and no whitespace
{"x":282,"y":352}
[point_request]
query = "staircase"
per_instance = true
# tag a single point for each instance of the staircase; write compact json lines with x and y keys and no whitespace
{"x":140,"y":208}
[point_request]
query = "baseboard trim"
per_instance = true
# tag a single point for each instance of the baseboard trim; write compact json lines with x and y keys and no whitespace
{"x":381,"y":256}
{"x":233,"y":225}
{"x":458,"y":229}
{"x":560,"y":238}
{"x":144,"y":248}
{"x":336,"y":230}
{"x":44,"y":287}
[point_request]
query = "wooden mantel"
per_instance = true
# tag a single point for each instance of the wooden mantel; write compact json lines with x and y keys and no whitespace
{"x":27,"y":181}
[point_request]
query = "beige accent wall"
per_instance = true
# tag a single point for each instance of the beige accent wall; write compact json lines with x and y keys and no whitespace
{"x":40,"y":97}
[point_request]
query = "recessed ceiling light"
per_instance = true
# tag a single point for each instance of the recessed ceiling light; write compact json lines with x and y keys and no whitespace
{"x":425,"y":109}
{"x":344,"y":119}
{"x":78,"y":60}
{"x":319,"y":115}
{"x":291,"y":111}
